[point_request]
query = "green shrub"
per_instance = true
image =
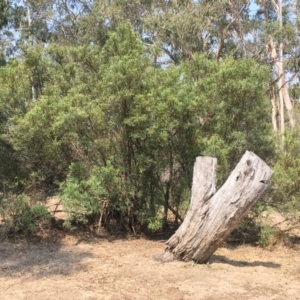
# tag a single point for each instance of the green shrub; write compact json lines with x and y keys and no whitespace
{"x":19,"y":214}
{"x":285,"y":192}
{"x":266,"y":235}
{"x":84,"y":193}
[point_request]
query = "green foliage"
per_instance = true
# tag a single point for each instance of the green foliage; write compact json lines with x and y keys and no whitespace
{"x":3,"y":13}
{"x":111,"y":132}
{"x":266,"y":235}
{"x":285,"y":193}
{"x":109,"y":102}
{"x":271,"y":236}
{"x":85,"y":193}
{"x":231,"y":103}
{"x":20,"y":215}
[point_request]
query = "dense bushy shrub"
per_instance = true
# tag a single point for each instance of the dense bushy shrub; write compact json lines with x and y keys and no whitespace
{"x":110,"y":128}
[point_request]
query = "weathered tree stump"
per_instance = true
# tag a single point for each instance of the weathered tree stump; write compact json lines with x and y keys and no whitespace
{"x":212,"y":217}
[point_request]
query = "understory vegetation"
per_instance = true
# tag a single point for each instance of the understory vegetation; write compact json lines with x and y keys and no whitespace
{"x":107,"y":105}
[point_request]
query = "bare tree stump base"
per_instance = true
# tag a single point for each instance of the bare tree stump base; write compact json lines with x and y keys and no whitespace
{"x":212,"y":217}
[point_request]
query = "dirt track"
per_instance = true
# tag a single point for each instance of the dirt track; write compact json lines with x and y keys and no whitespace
{"x":125,"y":270}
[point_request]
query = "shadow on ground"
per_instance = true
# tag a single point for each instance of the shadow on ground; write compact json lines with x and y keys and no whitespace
{"x":240,"y":263}
{"x":40,"y":260}
{"x":50,"y":252}
{"x":295,"y":239}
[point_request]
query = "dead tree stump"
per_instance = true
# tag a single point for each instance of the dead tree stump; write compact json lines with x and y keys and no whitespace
{"x":212,"y":217}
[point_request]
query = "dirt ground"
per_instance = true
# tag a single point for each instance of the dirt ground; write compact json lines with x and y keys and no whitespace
{"x":124,"y":269}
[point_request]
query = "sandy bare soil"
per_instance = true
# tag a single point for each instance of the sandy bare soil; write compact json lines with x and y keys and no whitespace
{"x":124,"y":269}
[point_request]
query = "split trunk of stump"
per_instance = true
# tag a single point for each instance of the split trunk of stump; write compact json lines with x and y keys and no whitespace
{"x":212,"y":216}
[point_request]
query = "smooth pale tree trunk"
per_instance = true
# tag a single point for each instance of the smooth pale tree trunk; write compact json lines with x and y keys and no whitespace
{"x":274,"y":112}
{"x":212,"y":216}
{"x":281,"y":75}
{"x":284,"y":97}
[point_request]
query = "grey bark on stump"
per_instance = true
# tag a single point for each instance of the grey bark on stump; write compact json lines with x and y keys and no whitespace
{"x":212,"y":216}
